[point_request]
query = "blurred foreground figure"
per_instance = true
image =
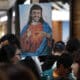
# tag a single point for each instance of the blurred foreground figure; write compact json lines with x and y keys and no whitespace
{"x":17,"y":72}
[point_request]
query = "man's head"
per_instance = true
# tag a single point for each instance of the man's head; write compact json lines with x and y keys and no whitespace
{"x":36,"y":13}
{"x":59,"y":47}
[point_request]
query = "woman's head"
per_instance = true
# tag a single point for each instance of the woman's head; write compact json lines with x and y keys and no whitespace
{"x":64,"y":64}
{"x":63,"y":68}
{"x":10,"y":39}
{"x":9,"y":54}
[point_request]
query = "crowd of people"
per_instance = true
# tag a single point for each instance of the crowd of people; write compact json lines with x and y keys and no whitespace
{"x":11,"y":65}
{"x":63,"y":63}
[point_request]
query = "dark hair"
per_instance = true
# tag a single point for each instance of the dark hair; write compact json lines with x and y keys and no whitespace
{"x":17,"y":72}
{"x":73,"y":45}
{"x":65,"y":59}
{"x":59,"y":46}
{"x":7,"y":53}
{"x":29,"y":62}
{"x":12,"y":39}
{"x":35,"y":7}
{"x":3,"y":75}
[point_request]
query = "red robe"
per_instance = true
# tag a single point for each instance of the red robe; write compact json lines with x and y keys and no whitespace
{"x":32,"y":38}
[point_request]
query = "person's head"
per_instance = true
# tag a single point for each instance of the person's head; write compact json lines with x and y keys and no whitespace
{"x":29,"y":62}
{"x":9,"y":54}
{"x":59,"y":47}
{"x":36,"y":14}
{"x":64,"y":64}
{"x":73,"y":45}
{"x":17,"y":72}
{"x":10,"y":39}
{"x":63,"y":67}
{"x":76,"y":64}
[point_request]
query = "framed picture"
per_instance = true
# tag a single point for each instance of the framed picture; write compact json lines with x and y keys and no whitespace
{"x":35,"y":29}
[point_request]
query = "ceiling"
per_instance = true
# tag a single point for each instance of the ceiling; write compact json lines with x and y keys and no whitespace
{"x":6,"y":4}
